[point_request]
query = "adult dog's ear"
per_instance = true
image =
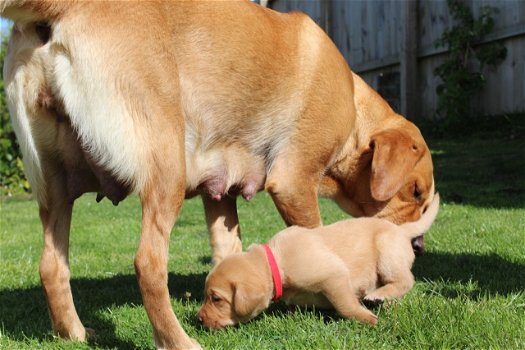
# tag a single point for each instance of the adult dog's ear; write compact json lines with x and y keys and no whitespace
{"x":395,"y":155}
{"x":248,"y":301}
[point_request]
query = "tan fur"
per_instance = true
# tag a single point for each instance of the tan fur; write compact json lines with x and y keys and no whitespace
{"x":331,"y":266}
{"x":209,"y":98}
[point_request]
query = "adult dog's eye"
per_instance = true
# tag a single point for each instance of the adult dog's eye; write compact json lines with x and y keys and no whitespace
{"x":215,"y":298}
{"x":417,"y":192}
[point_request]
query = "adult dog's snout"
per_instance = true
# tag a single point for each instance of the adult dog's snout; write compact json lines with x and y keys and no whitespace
{"x":418,"y":245}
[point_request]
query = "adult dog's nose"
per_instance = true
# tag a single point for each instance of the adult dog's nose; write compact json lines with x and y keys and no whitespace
{"x":418,"y":245}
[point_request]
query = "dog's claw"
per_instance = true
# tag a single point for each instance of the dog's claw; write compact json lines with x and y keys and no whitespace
{"x":100,"y":197}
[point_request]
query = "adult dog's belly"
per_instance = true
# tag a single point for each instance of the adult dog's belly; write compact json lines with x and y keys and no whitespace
{"x":224,"y":170}
{"x":231,"y":144}
{"x":232,"y":156}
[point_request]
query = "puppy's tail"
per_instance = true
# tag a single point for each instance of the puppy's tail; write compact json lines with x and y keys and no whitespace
{"x":418,"y":228}
{"x":33,"y":10}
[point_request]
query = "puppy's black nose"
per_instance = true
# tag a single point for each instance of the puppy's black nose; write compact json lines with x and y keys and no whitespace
{"x":418,"y":245}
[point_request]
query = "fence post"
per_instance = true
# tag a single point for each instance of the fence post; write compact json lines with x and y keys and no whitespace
{"x":408,"y":58}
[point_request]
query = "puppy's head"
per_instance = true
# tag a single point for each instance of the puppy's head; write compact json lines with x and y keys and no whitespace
{"x":237,"y":290}
{"x":393,"y":178}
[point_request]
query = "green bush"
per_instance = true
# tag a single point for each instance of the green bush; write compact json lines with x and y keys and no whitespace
{"x":462,"y":72}
{"x":12,"y":179}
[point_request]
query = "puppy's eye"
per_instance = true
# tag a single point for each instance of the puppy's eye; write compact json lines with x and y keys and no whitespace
{"x":215,"y":298}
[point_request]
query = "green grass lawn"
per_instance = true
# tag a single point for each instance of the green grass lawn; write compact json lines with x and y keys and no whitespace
{"x":470,"y":290}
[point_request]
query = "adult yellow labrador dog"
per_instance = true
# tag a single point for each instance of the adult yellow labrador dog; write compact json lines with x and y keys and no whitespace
{"x":170,"y":99}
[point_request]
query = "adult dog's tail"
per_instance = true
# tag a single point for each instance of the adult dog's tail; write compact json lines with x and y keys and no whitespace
{"x":418,"y":228}
{"x":32,"y":10}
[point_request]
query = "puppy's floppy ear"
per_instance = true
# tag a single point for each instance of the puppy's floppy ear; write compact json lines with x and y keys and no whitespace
{"x":395,"y":155}
{"x":248,"y":301}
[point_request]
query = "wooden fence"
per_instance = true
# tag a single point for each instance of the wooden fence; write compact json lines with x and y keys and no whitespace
{"x":391,"y":44}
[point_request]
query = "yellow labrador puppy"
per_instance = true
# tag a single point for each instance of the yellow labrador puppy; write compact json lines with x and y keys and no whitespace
{"x":331,"y":266}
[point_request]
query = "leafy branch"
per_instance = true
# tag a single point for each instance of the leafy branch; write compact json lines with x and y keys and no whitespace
{"x":462,"y":73}
{"x":12,"y":177}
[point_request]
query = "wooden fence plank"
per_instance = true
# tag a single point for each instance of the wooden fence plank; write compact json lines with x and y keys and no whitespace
{"x":370,"y":36}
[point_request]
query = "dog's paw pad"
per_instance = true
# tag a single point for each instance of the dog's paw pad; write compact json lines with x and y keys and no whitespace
{"x":372,"y":302}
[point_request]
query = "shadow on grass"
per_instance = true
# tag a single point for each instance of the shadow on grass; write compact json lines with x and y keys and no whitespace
{"x":24,"y":311}
{"x":484,"y":172}
{"x":490,"y":274}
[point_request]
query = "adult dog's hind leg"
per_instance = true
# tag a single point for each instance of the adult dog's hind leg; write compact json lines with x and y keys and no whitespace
{"x":54,"y":263}
{"x":223,"y":226}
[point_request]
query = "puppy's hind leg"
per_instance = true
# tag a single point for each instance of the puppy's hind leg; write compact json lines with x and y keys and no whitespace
{"x":394,"y":273}
{"x":393,"y":288}
{"x":223,"y":226}
{"x":340,"y":294}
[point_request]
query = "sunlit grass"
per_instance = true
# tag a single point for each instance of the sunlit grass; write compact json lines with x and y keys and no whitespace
{"x":469,"y":291}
